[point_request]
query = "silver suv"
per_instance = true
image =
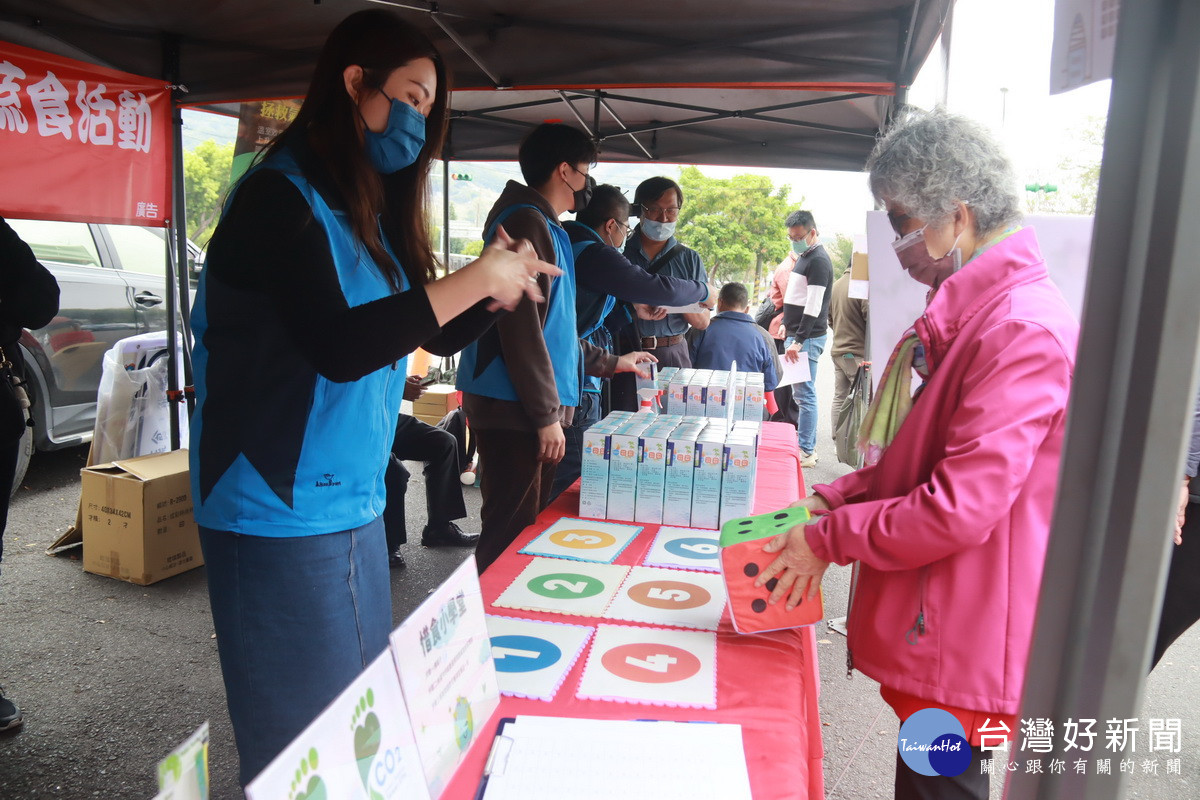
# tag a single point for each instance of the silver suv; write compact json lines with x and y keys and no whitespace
{"x":112,"y":285}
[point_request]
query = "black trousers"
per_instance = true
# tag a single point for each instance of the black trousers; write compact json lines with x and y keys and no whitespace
{"x":973,"y":784}
{"x":417,"y":441}
{"x":788,"y":411}
{"x":1181,"y":601}
{"x":8,"y":471}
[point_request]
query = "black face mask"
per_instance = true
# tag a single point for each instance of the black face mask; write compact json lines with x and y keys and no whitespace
{"x":583,"y":196}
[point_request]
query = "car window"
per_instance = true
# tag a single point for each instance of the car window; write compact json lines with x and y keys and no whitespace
{"x":139,"y":249}
{"x":58,"y":242}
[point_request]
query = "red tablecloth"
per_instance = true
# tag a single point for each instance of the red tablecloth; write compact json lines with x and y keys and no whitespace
{"x":766,"y":682}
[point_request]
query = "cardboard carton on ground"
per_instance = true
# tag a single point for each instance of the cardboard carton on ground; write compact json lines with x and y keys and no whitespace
{"x":137,"y":519}
{"x":438,"y":401}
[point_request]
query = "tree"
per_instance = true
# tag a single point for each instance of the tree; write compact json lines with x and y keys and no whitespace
{"x":472,"y":248}
{"x":205,"y":181}
{"x":735,"y":224}
{"x":840,"y":253}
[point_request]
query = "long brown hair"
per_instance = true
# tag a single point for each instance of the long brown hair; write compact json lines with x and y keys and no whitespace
{"x":379,"y":41}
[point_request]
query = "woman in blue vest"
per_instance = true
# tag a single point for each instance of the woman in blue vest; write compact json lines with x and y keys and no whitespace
{"x":319,"y":282}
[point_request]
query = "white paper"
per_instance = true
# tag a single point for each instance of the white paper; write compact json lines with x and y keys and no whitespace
{"x":360,"y":746}
{"x":564,"y":587}
{"x":694,"y":308}
{"x":533,"y":657}
{"x":655,"y":666}
{"x":583,"y":540}
{"x":444,"y":660}
{"x":670,"y":597}
{"x":859,"y":290}
{"x":551,"y":758}
{"x":794,"y":371}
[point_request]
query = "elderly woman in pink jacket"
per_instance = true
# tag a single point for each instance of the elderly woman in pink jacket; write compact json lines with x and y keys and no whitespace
{"x":950,"y":519}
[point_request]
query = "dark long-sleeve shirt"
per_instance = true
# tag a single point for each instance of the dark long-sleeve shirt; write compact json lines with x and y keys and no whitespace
{"x":28,"y":292}
{"x":806,"y":300}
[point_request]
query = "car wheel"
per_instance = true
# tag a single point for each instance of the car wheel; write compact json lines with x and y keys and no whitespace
{"x":24,"y":453}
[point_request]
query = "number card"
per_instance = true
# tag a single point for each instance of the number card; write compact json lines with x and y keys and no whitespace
{"x":670,"y":597}
{"x":686,"y":548}
{"x":651,"y":665}
{"x":533,"y":657}
{"x":563,"y":587}
{"x":582,"y":540}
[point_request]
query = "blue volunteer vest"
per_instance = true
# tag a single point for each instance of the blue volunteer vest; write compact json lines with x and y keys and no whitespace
{"x":592,"y":330}
{"x":562,"y":343}
{"x":339,"y":479}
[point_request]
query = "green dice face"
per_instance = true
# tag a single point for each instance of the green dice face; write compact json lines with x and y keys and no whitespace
{"x":763,"y":526}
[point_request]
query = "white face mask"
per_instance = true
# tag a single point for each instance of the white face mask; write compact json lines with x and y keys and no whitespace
{"x":658,"y":231}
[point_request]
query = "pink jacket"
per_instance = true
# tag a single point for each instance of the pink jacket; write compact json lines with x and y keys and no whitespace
{"x":951,"y":526}
{"x":779,"y":281}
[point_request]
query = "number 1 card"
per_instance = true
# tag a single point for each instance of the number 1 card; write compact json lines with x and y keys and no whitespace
{"x":582,"y":540}
{"x":563,"y":587}
{"x":629,"y":664}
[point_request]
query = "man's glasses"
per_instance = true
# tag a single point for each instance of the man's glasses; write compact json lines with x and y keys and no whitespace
{"x":628,"y":229}
{"x":668,"y":214}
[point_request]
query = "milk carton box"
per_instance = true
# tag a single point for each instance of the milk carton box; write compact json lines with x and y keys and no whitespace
{"x":714,"y":398}
{"x":755,"y":397}
{"x":706,"y":485}
{"x":738,"y":401}
{"x":697,"y":387}
{"x":677,"y":391}
{"x":737,"y":476}
{"x":651,"y":474}
{"x":593,"y":484}
{"x":679,"y":475}
{"x":622,"y":470}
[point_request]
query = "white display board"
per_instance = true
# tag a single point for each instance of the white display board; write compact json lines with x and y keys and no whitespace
{"x":897,"y":300}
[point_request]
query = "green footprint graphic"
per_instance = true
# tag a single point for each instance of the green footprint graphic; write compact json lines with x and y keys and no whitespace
{"x":367,"y":737}
{"x":171,"y":769}
{"x":304,"y":785}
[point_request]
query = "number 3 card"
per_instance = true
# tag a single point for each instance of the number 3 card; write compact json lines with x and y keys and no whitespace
{"x":670,"y":597}
{"x":650,"y":665}
{"x":563,"y":587}
{"x":686,"y":548}
{"x":582,"y":540}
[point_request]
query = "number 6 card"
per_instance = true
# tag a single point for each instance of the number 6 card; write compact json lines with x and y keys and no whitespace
{"x":582,"y":540}
{"x":670,"y":597}
{"x":629,"y":664}
{"x":563,"y":587}
{"x":685,"y":548}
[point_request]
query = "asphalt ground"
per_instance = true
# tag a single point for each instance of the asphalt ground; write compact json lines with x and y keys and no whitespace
{"x":112,"y":676}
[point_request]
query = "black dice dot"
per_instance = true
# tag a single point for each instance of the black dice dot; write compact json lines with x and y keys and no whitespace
{"x":750,"y":569}
{"x":771,"y":584}
{"x":759,"y":605}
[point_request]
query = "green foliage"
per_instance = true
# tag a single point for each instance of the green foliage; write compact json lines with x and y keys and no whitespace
{"x":472,"y":248}
{"x":205,"y":180}
{"x":735,"y":224}
{"x":839,"y":253}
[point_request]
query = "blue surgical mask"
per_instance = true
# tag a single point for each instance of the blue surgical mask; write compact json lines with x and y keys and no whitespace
{"x":658,"y":231}
{"x":399,"y":144}
{"x":800,"y":247}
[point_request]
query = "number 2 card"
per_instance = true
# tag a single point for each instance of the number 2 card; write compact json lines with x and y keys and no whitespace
{"x":563,"y":587}
{"x":582,"y":540}
{"x":630,"y":664}
{"x":670,"y":597}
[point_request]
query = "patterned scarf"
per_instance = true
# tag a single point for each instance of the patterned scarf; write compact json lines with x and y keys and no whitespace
{"x":894,"y":399}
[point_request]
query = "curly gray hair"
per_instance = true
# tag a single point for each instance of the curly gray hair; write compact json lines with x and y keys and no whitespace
{"x":928,"y":161}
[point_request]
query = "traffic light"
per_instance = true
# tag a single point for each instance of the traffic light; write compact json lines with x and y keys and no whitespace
{"x":460,"y":176}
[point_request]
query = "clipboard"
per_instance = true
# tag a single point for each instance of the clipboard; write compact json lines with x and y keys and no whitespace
{"x":497,"y":756}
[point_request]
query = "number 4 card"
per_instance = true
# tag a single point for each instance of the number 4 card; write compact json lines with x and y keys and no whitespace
{"x":670,"y":597}
{"x":685,"y":548}
{"x":582,"y":540}
{"x":651,"y":665}
{"x":563,"y":587}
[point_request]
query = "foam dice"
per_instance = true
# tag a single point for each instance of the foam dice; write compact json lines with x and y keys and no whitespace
{"x":742,"y":559}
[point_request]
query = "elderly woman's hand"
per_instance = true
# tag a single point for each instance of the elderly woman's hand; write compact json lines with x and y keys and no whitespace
{"x":798,"y":567}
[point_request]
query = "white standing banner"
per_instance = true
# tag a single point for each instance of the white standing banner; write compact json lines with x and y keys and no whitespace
{"x":897,"y":300}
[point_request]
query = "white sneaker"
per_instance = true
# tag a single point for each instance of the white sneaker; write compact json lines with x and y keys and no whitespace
{"x":808,"y":459}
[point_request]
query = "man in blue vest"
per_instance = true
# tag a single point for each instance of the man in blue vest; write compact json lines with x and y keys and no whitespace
{"x":521,"y":379}
{"x":603,"y":275}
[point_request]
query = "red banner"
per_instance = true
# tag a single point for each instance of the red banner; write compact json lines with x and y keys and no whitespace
{"x":81,"y":142}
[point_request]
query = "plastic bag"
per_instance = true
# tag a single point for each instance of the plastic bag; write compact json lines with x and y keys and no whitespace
{"x":132,"y":410}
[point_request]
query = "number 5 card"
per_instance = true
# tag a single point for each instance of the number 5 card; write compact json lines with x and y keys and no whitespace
{"x":563,"y":587}
{"x":670,"y":597}
{"x":629,"y":664}
{"x":582,"y":540}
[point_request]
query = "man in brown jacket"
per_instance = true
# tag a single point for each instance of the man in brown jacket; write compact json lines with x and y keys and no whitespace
{"x":521,"y":379}
{"x":848,"y":319}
